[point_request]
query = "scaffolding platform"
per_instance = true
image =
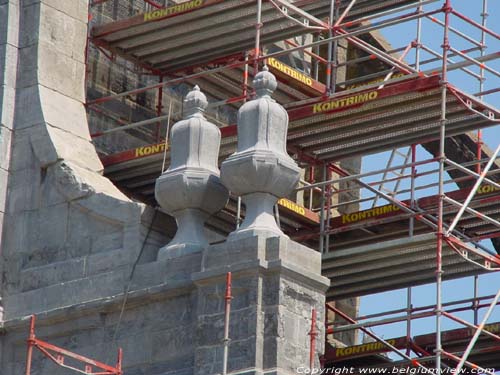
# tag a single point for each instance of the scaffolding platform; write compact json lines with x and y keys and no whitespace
{"x":388,"y":222}
{"x":486,"y":353}
{"x":391,"y":265}
{"x":213,"y":30}
{"x":347,"y":125}
{"x":378,"y":119}
{"x":228,"y":85}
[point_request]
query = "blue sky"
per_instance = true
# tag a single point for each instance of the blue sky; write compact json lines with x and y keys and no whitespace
{"x":400,"y":36}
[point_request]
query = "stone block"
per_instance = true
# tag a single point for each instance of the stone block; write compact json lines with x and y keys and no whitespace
{"x":108,"y":261}
{"x":22,"y":156}
{"x":29,"y":24}
{"x":242,"y":354}
{"x":4,"y":179}
{"x":167,"y":270}
{"x":23,"y":192}
{"x":65,"y":294}
{"x":51,"y":145}
{"x":110,"y":204}
{"x":77,"y":9}
{"x":173,"y":343}
{"x":137,"y":349}
{"x":240,"y":251}
{"x":39,"y":105}
{"x":52,"y":226}
{"x":177,"y":366}
{"x":16,"y":233}
{"x":293,"y":253}
{"x":108,"y":242}
{"x":66,"y":36}
{"x":44,"y":65}
{"x":5,"y":149}
{"x":39,"y":277}
{"x":7,"y":105}
{"x":2,"y":217}
{"x":8,"y":61}
{"x":9,"y":22}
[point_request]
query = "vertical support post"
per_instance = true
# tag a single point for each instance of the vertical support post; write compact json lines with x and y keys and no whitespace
{"x":315,"y":50}
{"x":159,"y":108}
{"x":479,"y":143}
{"x":31,"y":339}
{"x":166,"y":137}
{"x":477,"y":333}
{"x":408,"y":321}
{"x":244,"y":92}
{"x":475,"y":304}
{"x":472,"y":193}
{"x":333,"y":81}
{"x":119,"y":362}
{"x":442,"y":156}
{"x":418,"y":39}
{"x":328,"y":210}
{"x":311,"y":191}
{"x":313,"y":334}
{"x":412,"y":186}
{"x":322,"y":214}
{"x":330,"y":48}
{"x":238,"y":213}
{"x":258,"y":26}
{"x":227,"y":315}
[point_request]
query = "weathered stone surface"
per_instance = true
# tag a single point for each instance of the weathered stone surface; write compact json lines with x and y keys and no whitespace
{"x":7,"y":99}
{"x":261,"y":170}
{"x":9,"y":22}
{"x":61,"y":73}
{"x":275,"y":287}
{"x":74,"y":9}
{"x":64,"y":221}
{"x":8,"y":58}
{"x":190,"y":189}
{"x":4,"y":177}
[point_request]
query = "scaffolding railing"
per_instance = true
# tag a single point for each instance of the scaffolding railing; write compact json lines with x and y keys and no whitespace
{"x":409,"y":348}
{"x":67,"y":359}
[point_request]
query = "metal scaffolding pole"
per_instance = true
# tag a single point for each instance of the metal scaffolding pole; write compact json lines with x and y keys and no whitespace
{"x":473,"y":191}
{"x":227,"y":316}
{"x":322,"y":214}
{"x":442,"y":156}
{"x":330,"y":48}
{"x":477,"y":333}
{"x":258,"y":26}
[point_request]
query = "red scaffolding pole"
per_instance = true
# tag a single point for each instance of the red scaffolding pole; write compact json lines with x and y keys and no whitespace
{"x":59,"y":356}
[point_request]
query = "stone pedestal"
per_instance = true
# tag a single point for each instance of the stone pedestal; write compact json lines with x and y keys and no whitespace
{"x":276,"y":284}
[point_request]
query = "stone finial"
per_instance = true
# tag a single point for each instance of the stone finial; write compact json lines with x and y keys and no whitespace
{"x":190,"y":189}
{"x":261,"y":171}
{"x":195,"y":102}
{"x":264,"y":83}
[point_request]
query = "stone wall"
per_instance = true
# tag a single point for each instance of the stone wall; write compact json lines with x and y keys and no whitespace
{"x":172,"y":322}
{"x":65,"y":226}
{"x":9,"y":15}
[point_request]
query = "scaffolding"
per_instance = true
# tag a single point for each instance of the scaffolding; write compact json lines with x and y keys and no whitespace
{"x":400,"y":244}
